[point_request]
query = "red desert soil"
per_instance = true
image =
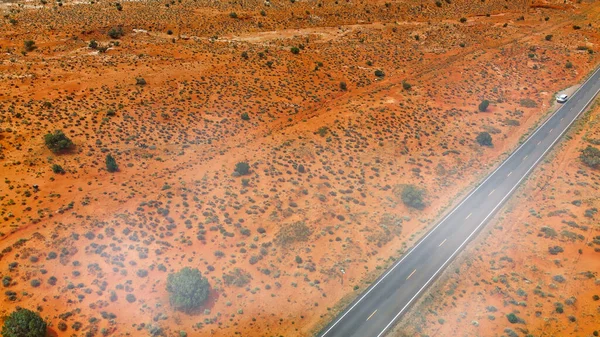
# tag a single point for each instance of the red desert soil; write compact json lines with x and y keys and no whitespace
{"x":330,"y":144}
{"x":539,"y":260}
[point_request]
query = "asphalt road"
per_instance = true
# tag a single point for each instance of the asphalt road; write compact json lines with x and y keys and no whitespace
{"x":379,"y":307}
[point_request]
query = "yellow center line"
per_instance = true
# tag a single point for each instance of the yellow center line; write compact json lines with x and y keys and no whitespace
{"x":442,"y":243}
{"x":468,"y":216}
{"x":491,"y":193}
{"x":372,"y":314}
{"x":411,"y":274}
{"x":509,"y":173}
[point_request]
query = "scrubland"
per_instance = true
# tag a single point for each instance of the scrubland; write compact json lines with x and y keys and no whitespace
{"x":336,"y":107}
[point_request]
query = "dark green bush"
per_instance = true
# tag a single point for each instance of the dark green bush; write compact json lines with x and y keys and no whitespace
{"x":111,"y":164}
{"x":57,"y":169}
{"x":484,"y":139}
{"x":242,"y":168}
{"x":116,"y":32}
{"x":188,"y":289}
{"x":484,"y":105}
{"x":512,"y":318}
{"x":379,"y":73}
{"x":24,"y":323}
{"x":29,"y":45}
{"x":57,"y":142}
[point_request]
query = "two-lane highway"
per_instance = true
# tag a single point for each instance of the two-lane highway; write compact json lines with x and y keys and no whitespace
{"x":376,"y":310}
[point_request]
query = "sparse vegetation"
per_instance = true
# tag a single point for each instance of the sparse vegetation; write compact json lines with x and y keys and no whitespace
{"x":590,"y":156}
{"x":291,"y":233}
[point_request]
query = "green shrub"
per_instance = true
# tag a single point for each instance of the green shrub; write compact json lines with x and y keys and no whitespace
{"x":57,"y":169}
{"x":555,"y":250}
{"x":233,"y":15}
{"x":343,"y":86}
{"x":111,"y":164}
{"x":29,"y":45}
{"x":245,"y":116}
{"x":463,"y":20}
{"x":116,"y":32}
{"x":590,"y":156}
{"x":406,"y":85}
{"x":569,"y":65}
{"x":379,"y":73}
{"x":548,"y":37}
{"x":242,"y":168}
{"x":130,"y":298}
{"x":484,"y":105}
{"x":57,"y":142}
{"x":512,"y":318}
{"x":187,"y":289}
{"x":484,"y":139}
{"x":140,"y":81}
{"x":24,"y":323}
{"x":93,"y":44}
{"x":322,"y":131}
{"x":295,"y":50}
{"x":413,"y":197}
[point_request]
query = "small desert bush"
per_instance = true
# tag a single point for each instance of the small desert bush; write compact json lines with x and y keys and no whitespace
{"x":57,"y":142}
{"x":484,"y":105}
{"x":237,"y":277}
{"x":242,"y":168}
{"x":484,"y":139}
{"x":413,"y":197}
{"x":590,"y":156}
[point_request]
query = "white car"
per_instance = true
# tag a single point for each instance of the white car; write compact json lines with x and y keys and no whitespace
{"x":562,"y":98}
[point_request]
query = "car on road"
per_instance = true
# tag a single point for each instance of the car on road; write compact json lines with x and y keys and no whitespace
{"x":562,"y":98}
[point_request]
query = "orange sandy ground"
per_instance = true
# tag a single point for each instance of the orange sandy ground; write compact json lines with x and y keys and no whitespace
{"x":511,"y":268}
{"x":175,"y":203}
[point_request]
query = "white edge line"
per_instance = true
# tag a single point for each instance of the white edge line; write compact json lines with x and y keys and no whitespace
{"x":492,"y":212}
{"x":458,"y":206}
